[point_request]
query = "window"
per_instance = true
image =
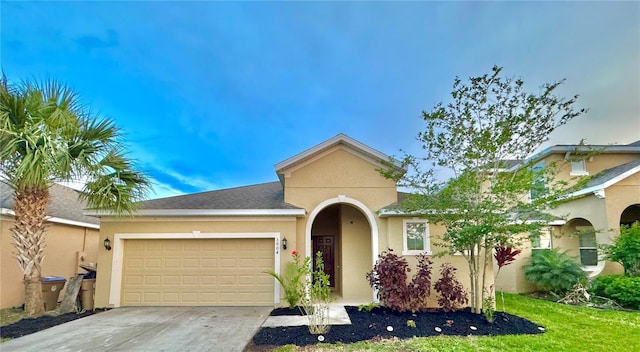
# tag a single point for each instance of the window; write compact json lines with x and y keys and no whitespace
{"x":538,"y":186}
{"x":578,"y":168}
{"x":541,"y":239}
{"x":416,"y":237}
{"x":588,"y":246}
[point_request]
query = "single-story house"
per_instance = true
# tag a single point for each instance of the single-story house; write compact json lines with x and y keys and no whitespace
{"x":213,"y":248}
{"x":71,"y":240}
{"x":590,"y":215}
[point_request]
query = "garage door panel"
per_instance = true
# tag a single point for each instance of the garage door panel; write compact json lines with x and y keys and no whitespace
{"x":198,"y":272}
{"x":153,"y":263}
{"x":171,"y":263}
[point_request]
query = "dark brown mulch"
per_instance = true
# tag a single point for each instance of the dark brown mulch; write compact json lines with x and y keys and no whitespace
{"x":287,"y":311}
{"x":373,"y":325}
{"x":28,"y":326}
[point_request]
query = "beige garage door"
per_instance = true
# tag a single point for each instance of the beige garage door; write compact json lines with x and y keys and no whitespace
{"x":197,"y":272}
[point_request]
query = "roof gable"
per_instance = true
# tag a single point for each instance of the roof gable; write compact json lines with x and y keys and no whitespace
{"x":339,"y":141}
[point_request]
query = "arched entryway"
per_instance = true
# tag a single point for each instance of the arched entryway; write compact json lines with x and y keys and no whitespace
{"x":580,"y":241}
{"x":346,"y":233}
{"x":630,"y":215}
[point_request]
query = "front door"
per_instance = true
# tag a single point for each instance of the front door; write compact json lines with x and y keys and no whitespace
{"x":326,"y":245}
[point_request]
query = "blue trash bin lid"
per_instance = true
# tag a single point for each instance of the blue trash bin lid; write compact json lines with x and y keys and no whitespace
{"x":52,"y":279}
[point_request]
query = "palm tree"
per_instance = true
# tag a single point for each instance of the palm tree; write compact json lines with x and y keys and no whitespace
{"x":47,"y":136}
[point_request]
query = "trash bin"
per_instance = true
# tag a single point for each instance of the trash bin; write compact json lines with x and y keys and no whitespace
{"x":87,"y":290}
{"x":88,"y":287}
{"x":51,"y":287}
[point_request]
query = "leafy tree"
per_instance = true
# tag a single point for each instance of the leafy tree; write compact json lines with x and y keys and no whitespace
{"x":626,"y":249}
{"x":46,"y":136}
{"x":482,"y":138}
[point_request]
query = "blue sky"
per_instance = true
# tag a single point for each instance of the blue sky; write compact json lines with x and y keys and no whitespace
{"x":213,"y":94}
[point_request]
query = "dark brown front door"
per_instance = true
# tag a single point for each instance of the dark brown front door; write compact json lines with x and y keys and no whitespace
{"x":326,"y":245}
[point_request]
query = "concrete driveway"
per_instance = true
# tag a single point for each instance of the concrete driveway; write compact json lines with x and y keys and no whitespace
{"x":150,"y":329}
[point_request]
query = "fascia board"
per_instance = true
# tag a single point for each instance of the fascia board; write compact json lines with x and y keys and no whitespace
{"x":208,"y":212}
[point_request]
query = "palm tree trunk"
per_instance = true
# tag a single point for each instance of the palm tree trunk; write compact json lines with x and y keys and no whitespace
{"x":28,"y":234}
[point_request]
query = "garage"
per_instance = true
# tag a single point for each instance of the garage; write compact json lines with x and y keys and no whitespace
{"x":197,"y":272}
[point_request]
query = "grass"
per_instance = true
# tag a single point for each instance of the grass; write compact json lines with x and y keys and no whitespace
{"x":9,"y":316}
{"x":568,"y":328}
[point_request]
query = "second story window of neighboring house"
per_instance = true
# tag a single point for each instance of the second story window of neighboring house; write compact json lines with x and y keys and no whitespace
{"x":538,"y":186}
{"x":578,"y":168}
{"x":541,"y":239}
{"x":588,"y":246}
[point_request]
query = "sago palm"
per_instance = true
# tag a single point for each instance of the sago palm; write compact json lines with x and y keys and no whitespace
{"x":47,"y":136}
{"x":552,"y":270}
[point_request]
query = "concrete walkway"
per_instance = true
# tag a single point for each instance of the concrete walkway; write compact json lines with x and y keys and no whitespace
{"x":337,"y":316}
{"x":150,"y":329}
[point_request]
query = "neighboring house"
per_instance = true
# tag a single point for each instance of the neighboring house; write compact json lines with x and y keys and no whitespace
{"x":71,"y":240}
{"x":591,"y":215}
{"x":213,"y":248}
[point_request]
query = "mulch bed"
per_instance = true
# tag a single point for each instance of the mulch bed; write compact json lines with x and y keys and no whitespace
{"x":374,"y":325}
{"x":28,"y":326}
{"x":287,"y":311}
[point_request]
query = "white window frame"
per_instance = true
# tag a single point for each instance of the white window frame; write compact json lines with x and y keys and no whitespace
{"x":578,"y":168}
{"x":547,"y":241}
{"x":583,"y":230}
{"x":426,"y":249}
{"x":536,"y":168}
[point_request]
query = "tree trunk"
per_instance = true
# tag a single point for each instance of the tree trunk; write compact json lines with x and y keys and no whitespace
{"x":33,"y":305}
{"x":28,"y":234}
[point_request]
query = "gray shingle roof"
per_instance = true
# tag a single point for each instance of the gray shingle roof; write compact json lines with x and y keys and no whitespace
{"x":609,"y":174}
{"x":64,"y":203}
{"x":261,"y":196}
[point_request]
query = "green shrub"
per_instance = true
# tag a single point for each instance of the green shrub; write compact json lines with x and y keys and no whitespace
{"x":553,"y":271}
{"x":625,"y":290}
{"x":626,"y":249}
{"x":293,"y":279}
{"x":599,"y":285}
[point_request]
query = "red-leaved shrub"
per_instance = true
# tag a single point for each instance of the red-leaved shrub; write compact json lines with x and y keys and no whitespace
{"x":504,"y":255}
{"x":451,"y":293}
{"x":389,"y":277}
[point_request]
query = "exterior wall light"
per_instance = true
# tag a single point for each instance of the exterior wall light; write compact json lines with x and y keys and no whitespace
{"x":107,"y":244}
{"x":284,"y":243}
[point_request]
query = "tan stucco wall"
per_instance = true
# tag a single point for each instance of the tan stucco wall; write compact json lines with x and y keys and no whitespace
{"x":603,"y":214}
{"x":286,"y":228}
{"x":511,"y":277}
{"x":334,"y":176}
{"x":394,"y":240}
{"x":63,"y":245}
{"x":605,"y":161}
{"x":593,"y":165}
{"x":339,"y":172}
{"x":356,"y":256}
{"x":620,"y":196}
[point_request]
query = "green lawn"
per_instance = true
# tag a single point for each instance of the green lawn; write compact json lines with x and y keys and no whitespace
{"x":568,"y":328}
